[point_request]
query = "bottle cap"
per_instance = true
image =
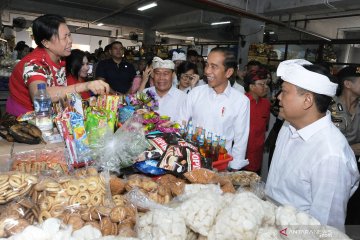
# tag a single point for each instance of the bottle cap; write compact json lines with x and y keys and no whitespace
{"x":41,"y":86}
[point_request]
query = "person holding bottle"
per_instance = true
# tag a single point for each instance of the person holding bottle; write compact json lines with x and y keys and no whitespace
{"x":45,"y":65}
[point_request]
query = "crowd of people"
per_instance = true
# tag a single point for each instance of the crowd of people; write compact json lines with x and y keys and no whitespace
{"x":313,"y":166}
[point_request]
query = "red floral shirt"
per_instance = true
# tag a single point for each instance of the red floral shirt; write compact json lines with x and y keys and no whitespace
{"x":36,"y":66}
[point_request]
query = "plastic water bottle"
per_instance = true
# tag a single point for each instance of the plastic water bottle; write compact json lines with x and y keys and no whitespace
{"x":43,"y":109}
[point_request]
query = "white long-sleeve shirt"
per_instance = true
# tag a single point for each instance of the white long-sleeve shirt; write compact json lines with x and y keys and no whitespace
{"x":314,"y":170}
{"x":170,"y":103}
{"x":226,"y":114}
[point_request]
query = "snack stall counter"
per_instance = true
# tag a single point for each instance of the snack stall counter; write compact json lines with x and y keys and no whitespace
{"x":171,"y":190}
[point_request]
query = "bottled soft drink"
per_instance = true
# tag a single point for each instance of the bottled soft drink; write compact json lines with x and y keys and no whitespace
{"x":215,"y":149}
{"x":43,"y":110}
{"x":222,"y":149}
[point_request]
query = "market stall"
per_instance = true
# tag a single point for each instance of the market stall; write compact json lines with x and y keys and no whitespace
{"x":123,"y":170}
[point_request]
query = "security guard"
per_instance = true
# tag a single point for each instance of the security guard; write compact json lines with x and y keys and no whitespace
{"x":345,"y":112}
{"x":345,"y":109}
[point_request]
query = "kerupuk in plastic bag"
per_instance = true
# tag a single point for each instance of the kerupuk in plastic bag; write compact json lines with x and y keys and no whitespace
{"x":122,"y":148}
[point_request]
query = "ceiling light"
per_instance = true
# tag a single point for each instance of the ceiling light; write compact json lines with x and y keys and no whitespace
{"x":100,"y":24}
{"x":219,"y":23}
{"x":147,"y":6}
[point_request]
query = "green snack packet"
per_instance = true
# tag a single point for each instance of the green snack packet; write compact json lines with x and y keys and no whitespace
{"x":96,"y":125}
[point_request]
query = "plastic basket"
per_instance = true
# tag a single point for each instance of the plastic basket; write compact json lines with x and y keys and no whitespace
{"x":221,"y":165}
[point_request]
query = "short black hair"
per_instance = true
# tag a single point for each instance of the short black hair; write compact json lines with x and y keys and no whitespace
{"x":20,"y":46}
{"x":46,"y":26}
{"x":113,"y":43}
{"x":252,"y":76}
{"x":322,"y":101}
{"x":254,"y":63}
{"x":74,"y":62}
{"x":191,"y":53}
{"x":107,"y":47}
{"x":349,"y":73}
{"x":230,"y":59}
{"x":184,"y":67}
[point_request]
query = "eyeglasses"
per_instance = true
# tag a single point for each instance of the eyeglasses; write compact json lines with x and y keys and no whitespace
{"x":262,"y":84}
{"x":187,"y":76}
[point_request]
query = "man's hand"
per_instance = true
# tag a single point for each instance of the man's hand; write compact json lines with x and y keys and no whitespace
{"x":98,"y":87}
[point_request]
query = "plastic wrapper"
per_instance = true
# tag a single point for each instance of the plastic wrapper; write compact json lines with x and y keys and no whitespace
{"x":149,"y":167}
{"x":15,"y":184}
{"x":200,"y":210}
{"x":74,"y":103}
{"x":243,"y":179}
{"x":121,"y":149}
{"x":16,"y":216}
{"x":97,"y":126}
{"x":201,"y":176}
{"x":155,"y":191}
{"x":37,"y":161}
{"x":125,"y":113}
{"x":69,"y":195}
{"x":177,"y":155}
{"x":176,"y":185}
{"x":141,"y":200}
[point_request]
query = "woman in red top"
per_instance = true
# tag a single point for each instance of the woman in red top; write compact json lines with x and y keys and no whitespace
{"x":45,"y":64}
{"x":77,"y":67}
{"x":255,"y":84}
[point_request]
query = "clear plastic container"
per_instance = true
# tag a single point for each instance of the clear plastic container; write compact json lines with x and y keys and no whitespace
{"x":43,"y":110}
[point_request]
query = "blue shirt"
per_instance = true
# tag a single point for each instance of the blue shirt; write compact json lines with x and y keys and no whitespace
{"x":118,"y":76}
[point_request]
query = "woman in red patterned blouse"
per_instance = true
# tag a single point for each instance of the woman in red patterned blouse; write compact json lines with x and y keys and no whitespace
{"x":45,"y":64}
{"x":77,"y":67}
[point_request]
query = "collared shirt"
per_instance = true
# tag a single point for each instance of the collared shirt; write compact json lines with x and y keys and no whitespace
{"x":259,"y":118}
{"x":238,"y":87}
{"x":118,"y":76}
{"x":170,"y":103}
{"x":314,"y":170}
{"x":226,"y":114}
{"x":36,"y":66}
{"x":348,"y":124}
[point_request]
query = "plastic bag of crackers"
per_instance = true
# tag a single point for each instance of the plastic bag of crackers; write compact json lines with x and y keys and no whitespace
{"x":15,"y":184}
{"x":59,"y":197}
{"x":37,"y":161}
{"x":16,"y":216}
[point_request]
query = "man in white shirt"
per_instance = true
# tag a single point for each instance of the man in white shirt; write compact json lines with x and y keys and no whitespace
{"x":219,"y":108}
{"x":169,"y":97}
{"x":313,"y":167}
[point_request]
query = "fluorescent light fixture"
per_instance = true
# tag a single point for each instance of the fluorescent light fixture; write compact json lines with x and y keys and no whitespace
{"x":220,"y":23}
{"x":100,"y":24}
{"x":147,"y":6}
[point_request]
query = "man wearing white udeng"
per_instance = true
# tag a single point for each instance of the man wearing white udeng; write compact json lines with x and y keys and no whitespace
{"x":313,"y":167}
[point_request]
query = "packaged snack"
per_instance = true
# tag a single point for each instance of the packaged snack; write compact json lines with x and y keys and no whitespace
{"x":80,"y":136}
{"x":149,"y":167}
{"x":15,"y":184}
{"x":74,"y":103}
{"x":37,"y":161}
{"x":112,"y":102}
{"x":96,"y":125}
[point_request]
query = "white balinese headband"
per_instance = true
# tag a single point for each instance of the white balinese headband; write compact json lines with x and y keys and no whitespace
{"x":178,"y":56}
{"x":159,"y":63}
{"x":292,"y":71}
